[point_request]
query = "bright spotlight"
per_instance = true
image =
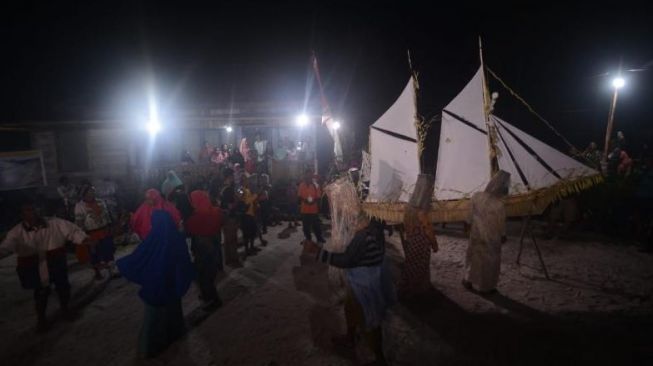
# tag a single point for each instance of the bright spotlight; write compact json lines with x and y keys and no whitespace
{"x":302,"y":120}
{"x":229,"y":129}
{"x":153,"y":127}
{"x":618,"y":83}
{"x":336,"y":125}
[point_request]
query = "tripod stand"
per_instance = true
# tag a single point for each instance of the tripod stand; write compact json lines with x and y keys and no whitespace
{"x":526,"y":227}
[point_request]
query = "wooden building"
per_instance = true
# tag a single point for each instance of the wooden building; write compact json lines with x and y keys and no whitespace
{"x":123,"y":148}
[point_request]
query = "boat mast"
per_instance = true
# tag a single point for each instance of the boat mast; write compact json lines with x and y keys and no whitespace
{"x":417,"y":120}
{"x":491,"y":128}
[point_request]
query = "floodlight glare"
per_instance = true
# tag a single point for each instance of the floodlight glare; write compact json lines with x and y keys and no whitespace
{"x":618,"y":83}
{"x":153,"y":127}
{"x":302,"y":120}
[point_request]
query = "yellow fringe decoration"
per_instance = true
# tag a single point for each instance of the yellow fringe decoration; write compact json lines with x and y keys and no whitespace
{"x":531,"y":203}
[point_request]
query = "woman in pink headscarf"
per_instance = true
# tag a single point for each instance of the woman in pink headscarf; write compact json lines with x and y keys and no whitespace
{"x":141,"y":221}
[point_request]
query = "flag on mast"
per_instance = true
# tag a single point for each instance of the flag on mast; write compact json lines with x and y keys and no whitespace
{"x":327,"y":117}
{"x":326,"y":111}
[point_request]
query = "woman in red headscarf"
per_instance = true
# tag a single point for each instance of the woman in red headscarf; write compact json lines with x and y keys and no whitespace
{"x":204,"y":227}
{"x":141,"y":221}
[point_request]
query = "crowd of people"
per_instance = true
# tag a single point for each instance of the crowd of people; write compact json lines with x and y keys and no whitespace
{"x":620,"y":206}
{"x":187,"y":230}
{"x":188,"y":233}
{"x":250,"y":156}
{"x":618,"y":160}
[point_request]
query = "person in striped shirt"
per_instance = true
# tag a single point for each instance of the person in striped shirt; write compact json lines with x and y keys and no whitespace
{"x":370,"y":290}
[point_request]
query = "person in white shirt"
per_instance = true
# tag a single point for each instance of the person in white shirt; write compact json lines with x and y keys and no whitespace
{"x":92,"y":215}
{"x":106,"y":190}
{"x":39,"y":244}
{"x":68,"y":194}
{"x":261,"y":147}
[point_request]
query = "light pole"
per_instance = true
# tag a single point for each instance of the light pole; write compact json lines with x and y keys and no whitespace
{"x":617,"y":84}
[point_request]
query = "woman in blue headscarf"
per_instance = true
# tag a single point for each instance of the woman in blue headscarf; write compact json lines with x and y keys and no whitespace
{"x":171,"y":182}
{"x":162,"y":267}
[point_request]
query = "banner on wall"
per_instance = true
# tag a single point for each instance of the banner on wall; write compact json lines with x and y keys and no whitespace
{"x":21,"y":169}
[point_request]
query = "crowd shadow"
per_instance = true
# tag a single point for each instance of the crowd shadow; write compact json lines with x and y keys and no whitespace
{"x":326,"y":314}
{"x":26,"y":347}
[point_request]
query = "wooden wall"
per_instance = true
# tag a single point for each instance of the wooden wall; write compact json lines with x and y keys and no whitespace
{"x":47,"y":143}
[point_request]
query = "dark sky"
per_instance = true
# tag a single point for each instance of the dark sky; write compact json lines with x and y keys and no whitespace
{"x":81,"y":59}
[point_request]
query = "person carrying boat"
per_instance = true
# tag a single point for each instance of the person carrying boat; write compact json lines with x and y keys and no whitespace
{"x":488,"y":223}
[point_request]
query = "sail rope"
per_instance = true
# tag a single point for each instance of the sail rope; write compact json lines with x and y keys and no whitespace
{"x":530,"y":109}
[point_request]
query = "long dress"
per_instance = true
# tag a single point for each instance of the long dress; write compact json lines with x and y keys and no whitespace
{"x":204,"y":226}
{"x":161,"y":266}
{"x":483,"y":260}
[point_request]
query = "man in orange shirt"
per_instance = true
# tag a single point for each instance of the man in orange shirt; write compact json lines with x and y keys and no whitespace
{"x":309,"y":194}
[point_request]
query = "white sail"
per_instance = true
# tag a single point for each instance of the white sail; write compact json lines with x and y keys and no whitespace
{"x":463,"y":165}
{"x":541,"y":165}
{"x":393,"y":148}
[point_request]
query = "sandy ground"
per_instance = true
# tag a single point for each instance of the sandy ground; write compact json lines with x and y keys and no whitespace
{"x":596,"y":309}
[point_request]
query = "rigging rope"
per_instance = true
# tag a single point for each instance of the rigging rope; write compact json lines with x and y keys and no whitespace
{"x":547,"y":123}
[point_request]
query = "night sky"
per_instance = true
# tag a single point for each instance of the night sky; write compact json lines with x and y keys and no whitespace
{"x":84,"y":60}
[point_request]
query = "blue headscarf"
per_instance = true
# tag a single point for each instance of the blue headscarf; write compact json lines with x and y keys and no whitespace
{"x":161,"y":263}
{"x":171,"y":182}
